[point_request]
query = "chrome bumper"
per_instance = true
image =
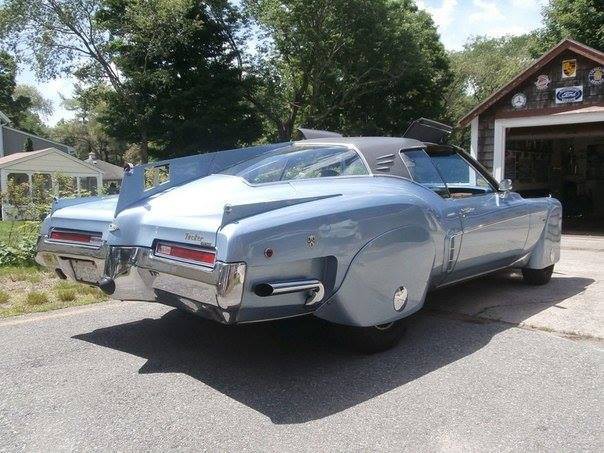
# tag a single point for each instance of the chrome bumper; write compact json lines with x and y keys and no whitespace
{"x":138,"y":274}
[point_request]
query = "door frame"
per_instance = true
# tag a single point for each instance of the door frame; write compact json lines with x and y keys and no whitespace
{"x":502,"y":124}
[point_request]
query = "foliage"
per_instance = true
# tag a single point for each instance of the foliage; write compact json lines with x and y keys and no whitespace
{"x":581,"y":20}
{"x":85,"y":132}
{"x":66,"y":295}
{"x":20,"y":103}
{"x":28,"y":145}
{"x":480,"y":68}
{"x":4,"y":297}
{"x":19,"y":248}
{"x":358,"y":66}
{"x":185,"y":96}
{"x":36,"y":298}
{"x":166,"y":62}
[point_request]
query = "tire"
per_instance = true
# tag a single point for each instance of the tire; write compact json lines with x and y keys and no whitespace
{"x":537,"y":276}
{"x":370,"y":340}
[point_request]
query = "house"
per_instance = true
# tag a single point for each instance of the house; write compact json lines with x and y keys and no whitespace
{"x":112,"y":174}
{"x":544,"y":130}
{"x":56,"y":170}
{"x":13,"y":140}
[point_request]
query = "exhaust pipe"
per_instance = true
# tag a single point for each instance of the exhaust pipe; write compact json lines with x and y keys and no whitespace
{"x":314,"y":289}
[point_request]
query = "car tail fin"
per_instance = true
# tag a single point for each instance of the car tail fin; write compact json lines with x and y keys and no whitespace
{"x":426,"y":130}
{"x":143,"y":181}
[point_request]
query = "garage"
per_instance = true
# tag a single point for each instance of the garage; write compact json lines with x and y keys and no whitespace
{"x":544,"y":130}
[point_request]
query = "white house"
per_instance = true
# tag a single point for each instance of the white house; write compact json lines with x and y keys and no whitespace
{"x":50,"y":162}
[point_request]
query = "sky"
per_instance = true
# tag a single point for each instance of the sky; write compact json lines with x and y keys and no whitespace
{"x":457,"y":20}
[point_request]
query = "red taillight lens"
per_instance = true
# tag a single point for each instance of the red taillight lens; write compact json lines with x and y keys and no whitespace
{"x":74,"y":236}
{"x":205,"y":257}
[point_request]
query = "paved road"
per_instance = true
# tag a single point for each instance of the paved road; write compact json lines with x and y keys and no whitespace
{"x":136,"y":376}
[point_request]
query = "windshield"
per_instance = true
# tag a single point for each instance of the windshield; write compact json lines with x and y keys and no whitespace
{"x":295,"y":162}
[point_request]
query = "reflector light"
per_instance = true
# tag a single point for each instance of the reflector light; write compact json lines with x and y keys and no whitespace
{"x":74,"y":236}
{"x":185,"y":253}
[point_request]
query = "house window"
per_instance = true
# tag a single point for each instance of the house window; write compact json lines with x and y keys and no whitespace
{"x":88,"y":186}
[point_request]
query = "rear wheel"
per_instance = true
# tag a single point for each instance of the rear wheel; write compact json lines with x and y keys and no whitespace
{"x":376,"y":338}
{"x":537,"y":276}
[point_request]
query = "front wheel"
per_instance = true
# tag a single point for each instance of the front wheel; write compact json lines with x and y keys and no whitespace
{"x":537,"y":276}
{"x":376,"y":338}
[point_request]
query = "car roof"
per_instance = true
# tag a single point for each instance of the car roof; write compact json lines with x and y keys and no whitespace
{"x":380,"y":153}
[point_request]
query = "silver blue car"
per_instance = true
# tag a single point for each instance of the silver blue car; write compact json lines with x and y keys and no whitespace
{"x":353,"y":230}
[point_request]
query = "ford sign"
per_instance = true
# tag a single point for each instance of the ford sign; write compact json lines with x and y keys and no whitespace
{"x":569,"y":94}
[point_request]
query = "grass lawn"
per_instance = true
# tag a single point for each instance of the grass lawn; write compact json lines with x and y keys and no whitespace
{"x":31,"y":289}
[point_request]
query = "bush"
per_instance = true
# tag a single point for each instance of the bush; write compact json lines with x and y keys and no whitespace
{"x":36,"y":298}
{"x":4,"y":297}
{"x":66,"y":295}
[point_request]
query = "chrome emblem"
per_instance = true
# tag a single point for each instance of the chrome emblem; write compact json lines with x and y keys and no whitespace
{"x":400,"y":298}
{"x":196,"y":237}
{"x":311,"y":241}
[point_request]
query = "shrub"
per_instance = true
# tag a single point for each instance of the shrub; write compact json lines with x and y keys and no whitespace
{"x":36,"y":298}
{"x":4,"y":297}
{"x":66,"y":295}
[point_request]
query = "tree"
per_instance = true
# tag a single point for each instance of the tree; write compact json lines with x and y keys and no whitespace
{"x":11,"y":106}
{"x":185,"y":94}
{"x":358,"y":66}
{"x":166,"y":62}
{"x":582,"y":20}
{"x":21,"y":103}
{"x":29,"y":145}
{"x":85,"y":132}
{"x":483,"y":66}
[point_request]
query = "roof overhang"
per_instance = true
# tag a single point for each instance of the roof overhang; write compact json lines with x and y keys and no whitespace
{"x":565,"y":44}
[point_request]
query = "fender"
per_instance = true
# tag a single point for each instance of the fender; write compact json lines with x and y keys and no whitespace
{"x":403,"y":257}
{"x":547,"y":249}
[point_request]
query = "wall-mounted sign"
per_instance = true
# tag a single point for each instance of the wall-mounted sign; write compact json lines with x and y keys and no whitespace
{"x":543,"y":82}
{"x":569,"y":68}
{"x":519,"y":100}
{"x":596,"y":76}
{"x":569,"y":94}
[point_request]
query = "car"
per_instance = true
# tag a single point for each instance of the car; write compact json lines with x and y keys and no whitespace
{"x":352,"y":230}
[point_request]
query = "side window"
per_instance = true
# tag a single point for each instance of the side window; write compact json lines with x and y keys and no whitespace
{"x":461,"y":177}
{"x":422,"y":170}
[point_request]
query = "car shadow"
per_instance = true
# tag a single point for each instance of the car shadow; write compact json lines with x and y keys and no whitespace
{"x":298,"y":370}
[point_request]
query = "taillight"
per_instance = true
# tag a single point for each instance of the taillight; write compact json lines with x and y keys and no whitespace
{"x":184,"y":253}
{"x":78,"y":237}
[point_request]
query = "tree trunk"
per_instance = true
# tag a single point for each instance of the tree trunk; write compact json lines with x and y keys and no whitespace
{"x":144,"y":148}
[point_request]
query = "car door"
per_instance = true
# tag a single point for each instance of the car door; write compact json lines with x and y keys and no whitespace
{"x":494,"y":224}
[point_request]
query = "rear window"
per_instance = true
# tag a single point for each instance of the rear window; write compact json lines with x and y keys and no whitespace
{"x":295,"y":162}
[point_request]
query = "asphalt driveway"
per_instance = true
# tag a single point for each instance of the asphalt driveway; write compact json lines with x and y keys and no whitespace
{"x":136,"y":376}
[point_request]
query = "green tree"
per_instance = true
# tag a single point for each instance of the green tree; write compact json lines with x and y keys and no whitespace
{"x":581,"y":20}
{"x":166,"y":61}
{"x":85,"y":132}
{"x":358,"y":66}
{"x":12,"y":106}
{"x":29,"y":145}
{"x":483,"y":66}
{"x":185,"y":95}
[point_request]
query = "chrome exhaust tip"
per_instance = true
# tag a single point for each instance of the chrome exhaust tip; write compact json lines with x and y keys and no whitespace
{"x":314,"y":289}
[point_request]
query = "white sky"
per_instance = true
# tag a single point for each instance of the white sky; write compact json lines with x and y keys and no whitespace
{"x":457,"y":20}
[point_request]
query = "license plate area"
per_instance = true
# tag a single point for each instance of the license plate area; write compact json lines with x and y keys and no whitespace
{"x":84,"y":271}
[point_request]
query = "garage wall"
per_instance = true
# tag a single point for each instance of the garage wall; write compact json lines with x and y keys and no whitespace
{"x":539,"y":102}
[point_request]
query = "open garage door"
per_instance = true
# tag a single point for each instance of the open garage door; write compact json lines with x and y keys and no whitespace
{"x":565,"y":161}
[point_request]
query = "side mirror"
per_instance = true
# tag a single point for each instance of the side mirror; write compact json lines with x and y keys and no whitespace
{"x":505,"y":185}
